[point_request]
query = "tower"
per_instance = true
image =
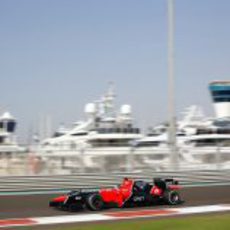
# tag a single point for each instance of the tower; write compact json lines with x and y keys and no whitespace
{"x":220,"y":92}
{"x":7,"y":123}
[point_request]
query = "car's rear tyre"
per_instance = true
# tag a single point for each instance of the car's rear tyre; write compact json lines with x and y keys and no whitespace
{"x":94,"y":202}
{"x":172,"y":197}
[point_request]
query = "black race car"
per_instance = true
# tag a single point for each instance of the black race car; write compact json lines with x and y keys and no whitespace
{"x":131,"y":193}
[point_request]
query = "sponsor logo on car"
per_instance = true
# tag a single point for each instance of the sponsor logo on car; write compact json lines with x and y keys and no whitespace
{"x":138,"y":198}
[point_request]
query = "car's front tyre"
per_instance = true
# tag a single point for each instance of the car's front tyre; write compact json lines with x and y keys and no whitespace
{"x":94,"y":202}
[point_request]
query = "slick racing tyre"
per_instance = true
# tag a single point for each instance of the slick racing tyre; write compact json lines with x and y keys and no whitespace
{"x":94,"y":202}
{"x":172,"y":197}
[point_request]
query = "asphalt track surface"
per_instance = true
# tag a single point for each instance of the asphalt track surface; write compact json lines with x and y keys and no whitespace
{"x":23,"y":206}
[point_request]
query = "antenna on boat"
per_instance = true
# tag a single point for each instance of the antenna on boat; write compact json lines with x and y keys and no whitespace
{"x":171,"y":96}
{"x":108,"y":99}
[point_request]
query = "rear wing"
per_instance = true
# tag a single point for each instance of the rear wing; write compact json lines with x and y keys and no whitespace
{"x":171,"y":180}
{"x":164,"y":183}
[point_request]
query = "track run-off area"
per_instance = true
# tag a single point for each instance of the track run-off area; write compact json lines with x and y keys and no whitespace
{"x":27,"y":210}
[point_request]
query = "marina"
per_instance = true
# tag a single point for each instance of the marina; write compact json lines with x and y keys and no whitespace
{"x":108,"y":138}
{"x":109,"y":141}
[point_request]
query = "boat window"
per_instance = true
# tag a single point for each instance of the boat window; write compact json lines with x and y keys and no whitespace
{"x":110,"y":142}
{"x":220,"y":142}
{"x":204,"y":142}
{"x":137,"y":130}
{"x":213,"y":131}
{"x":57,"y":134}
{"x":79,"y":134}
{"x":148,"y":144}
{"x":205,"y":131}
{"x":117,"y":130}
{"x":223,"y":131}
{"x":180,"y":134}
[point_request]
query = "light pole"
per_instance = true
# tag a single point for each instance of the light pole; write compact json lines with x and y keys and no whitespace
{"x":171,"y":96}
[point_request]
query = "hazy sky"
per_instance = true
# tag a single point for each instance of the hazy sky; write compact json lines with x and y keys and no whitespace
{"x":57,"y":55}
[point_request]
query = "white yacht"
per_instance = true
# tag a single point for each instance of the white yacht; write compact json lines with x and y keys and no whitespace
{"x":109,"y":138}
{"x":155,"y":144}
{"x":199,"y":139}
{"x":211,"y":141}
{"x":106,"y":135}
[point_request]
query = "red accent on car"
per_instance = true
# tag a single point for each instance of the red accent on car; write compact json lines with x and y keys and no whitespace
{"x":119,"y":195}
{"x":109,"y":195}
{"x":155,"y":191}
{"x":174,"y":187}
{"x":60,"y":199}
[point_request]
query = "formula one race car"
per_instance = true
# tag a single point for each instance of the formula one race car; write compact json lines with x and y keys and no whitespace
{"x":131,"y":193}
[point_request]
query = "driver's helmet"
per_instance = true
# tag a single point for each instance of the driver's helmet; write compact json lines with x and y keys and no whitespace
{"x":140,"y":186}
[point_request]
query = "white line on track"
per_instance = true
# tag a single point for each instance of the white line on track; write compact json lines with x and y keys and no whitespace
{"x":72,"y":219}
{"x":113,"y":215}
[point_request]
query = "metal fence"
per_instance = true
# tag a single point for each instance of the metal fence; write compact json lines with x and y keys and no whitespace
{"x":52,"y":183}
{"x":129,"y":160}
